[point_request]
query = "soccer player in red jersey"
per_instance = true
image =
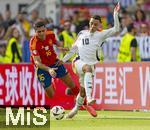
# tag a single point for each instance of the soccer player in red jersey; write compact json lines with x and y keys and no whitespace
{"x":45,"y":60}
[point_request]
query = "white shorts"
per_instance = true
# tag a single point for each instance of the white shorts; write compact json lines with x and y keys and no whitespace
{"x":79,"y":65}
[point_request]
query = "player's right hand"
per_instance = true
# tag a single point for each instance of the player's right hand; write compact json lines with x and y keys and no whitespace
{"x":59,"y":62}
{"x":52,"y":72}
{"x":117,"y":7}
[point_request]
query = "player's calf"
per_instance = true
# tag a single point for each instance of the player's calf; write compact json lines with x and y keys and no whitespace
{"x":72,"y":113}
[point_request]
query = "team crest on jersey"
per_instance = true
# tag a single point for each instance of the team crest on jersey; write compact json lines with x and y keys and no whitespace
{"x":46,"y":48}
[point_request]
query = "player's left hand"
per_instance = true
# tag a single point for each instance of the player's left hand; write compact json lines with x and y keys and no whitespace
{"x":117,"y":7}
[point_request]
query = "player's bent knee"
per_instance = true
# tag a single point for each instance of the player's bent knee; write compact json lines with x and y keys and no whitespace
{"x":87,"y":68}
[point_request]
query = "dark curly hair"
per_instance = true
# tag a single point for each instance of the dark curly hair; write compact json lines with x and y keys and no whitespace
{"x":143,"y":15}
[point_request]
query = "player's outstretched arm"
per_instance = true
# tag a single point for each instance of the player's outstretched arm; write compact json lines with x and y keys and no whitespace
{"x":109,"y":32}
{"x":59,"y":45}
{"x":72,"y":51}
{"x":117,"y":8}
{"x":116,"y":19}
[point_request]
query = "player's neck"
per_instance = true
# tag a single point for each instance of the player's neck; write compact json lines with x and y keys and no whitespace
{"x":91,"y":31}
{"x":42,"y":38}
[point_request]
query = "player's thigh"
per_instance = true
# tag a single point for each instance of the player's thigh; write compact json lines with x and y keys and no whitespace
{"x":63,"y":74}
{"x":50,"y":91}
{"x":68,"y":80}
{"x":44,"y":78}
{"x":79,"y":66}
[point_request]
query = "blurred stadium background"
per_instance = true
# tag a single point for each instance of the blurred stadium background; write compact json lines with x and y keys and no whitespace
{"x":117,"y":86}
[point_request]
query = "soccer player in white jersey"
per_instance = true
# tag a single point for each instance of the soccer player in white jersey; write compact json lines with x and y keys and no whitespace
{"x":86,"y":47}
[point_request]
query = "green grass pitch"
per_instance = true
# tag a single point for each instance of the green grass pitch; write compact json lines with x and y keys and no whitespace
{"x":106,"y":120}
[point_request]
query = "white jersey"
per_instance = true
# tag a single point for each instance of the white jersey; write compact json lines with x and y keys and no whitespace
{"x":88,"y":43}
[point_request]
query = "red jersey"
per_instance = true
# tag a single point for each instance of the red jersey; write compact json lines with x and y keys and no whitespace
{"x":44,"y":48}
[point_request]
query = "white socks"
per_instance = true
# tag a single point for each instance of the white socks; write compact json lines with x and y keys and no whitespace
{"x":88,"y":84}
{"x":79,"y":101}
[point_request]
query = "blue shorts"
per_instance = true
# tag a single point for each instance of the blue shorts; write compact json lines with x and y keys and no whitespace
{"x":46,"y":79}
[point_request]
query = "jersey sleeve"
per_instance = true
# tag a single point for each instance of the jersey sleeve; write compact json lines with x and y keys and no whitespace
{"x":78,"y":38}
{"x":33,"y":47}
{"x":72,"y":51}
{"x":81,"y":32}
{"x":109,"y":32}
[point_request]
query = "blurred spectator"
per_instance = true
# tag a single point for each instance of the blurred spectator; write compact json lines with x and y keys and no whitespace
{"x":83,"y":20}
{"x":126,"y":3}
{"x":13,"y":49}
{"x":75,"y":19}
{"x":72,"y":26}
{"x":49,"y":23}
{"x":110,"y":19}
{"x":144,"y":30}
{"x":3,"y":42}
{"x":8,"y":21}
{"x":23,"y":24}
{"x":140,"y":18}
{"x":1,"y":18}
{"x":104,"y":24}
{"x":129,"y":50}
{"x":34,"y":16}
{"x":125,"y":21}
{"x":2,"y":48}
{"x":2,"y":32}
{"x":24,"y":27}
{"x":67,"y":37}
{"x":25,"y":51}
{"x":2,"y":52}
